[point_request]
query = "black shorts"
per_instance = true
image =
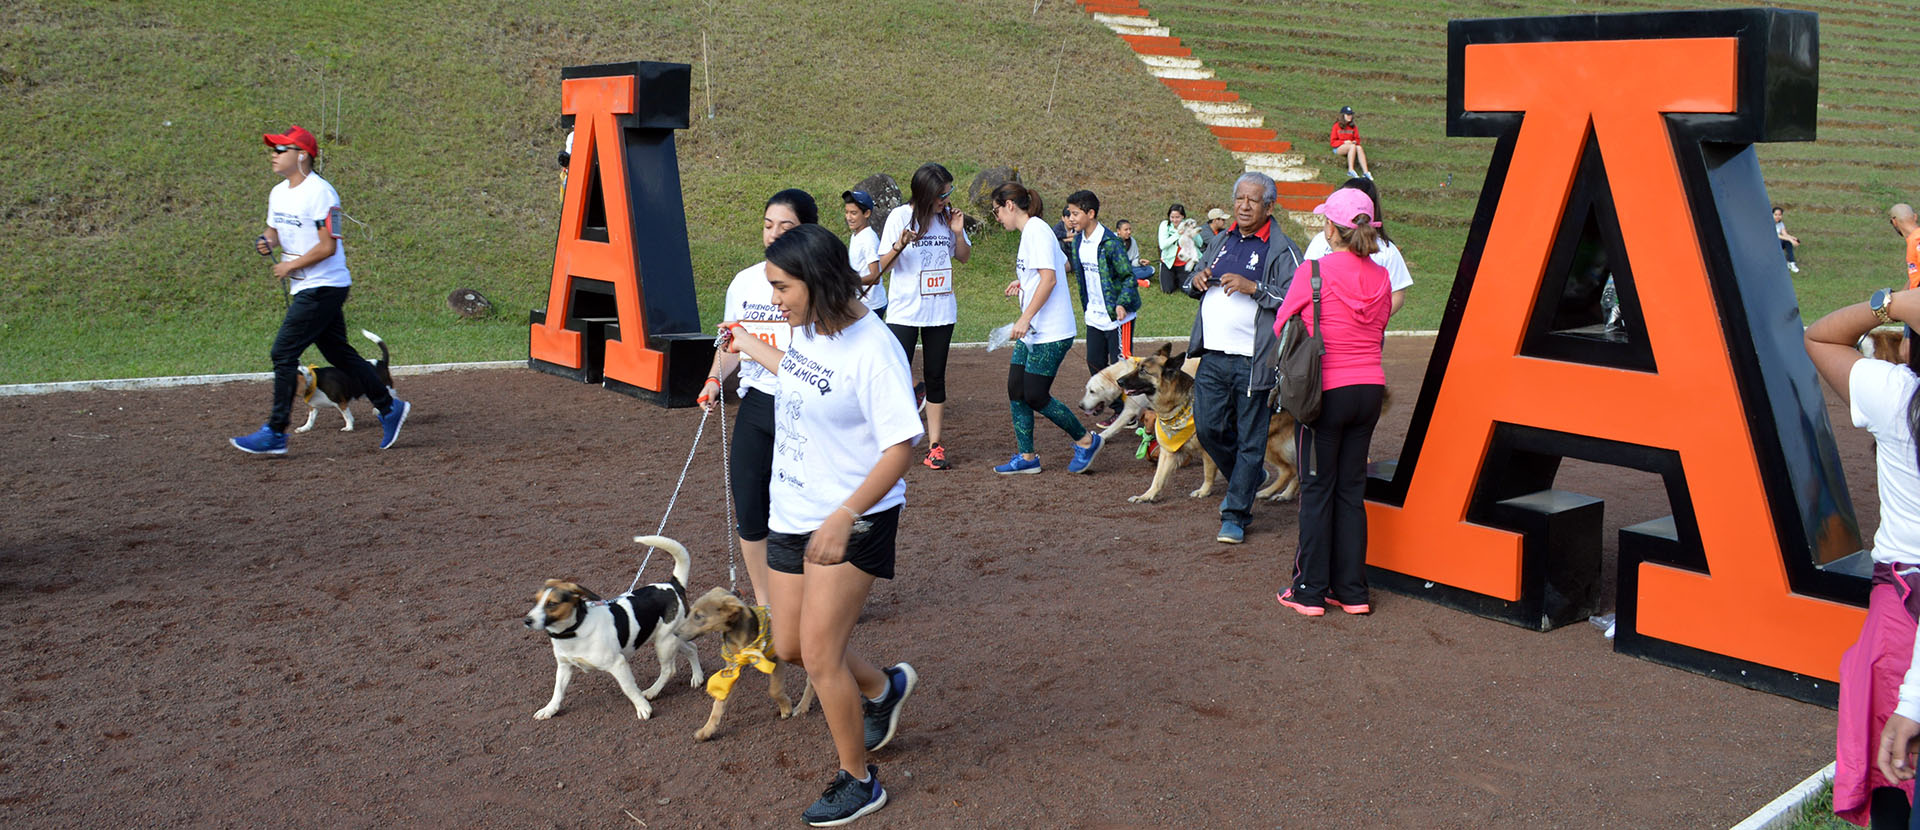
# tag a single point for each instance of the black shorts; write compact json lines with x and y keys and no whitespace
{"x":752,"y":463}
{"x":871,"y":552}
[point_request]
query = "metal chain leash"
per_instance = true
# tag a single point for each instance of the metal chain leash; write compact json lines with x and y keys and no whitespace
{"x":671,"y":500}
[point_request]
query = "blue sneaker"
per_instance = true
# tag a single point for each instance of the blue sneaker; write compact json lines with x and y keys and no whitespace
{"x":882,"y":718}
{"x":1231,"y":533}
{"x":847,"y":799}
{"x":391,"y":422}
{"x":1019,"y":465}
{"x":1083,"y":456}
{"x":263,"y":441}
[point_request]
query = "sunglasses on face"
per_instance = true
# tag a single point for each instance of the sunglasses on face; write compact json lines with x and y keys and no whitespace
{"x":277,"y":149}
{"x":948,"y":193}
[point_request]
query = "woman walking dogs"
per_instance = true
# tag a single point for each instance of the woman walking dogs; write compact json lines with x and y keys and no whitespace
{"x":303,"y":221}
{"x":844,"y":429}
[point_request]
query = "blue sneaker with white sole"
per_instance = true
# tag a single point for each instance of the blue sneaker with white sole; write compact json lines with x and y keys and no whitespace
{"x":882,"y":717}
{"x":1019,"y":465}
{"x":262,"y":441}
{"x":846,"y":799}
{"x":1083,"y":456}
{"x":391,"y":421}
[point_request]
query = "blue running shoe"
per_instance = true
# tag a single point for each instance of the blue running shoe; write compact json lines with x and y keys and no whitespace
{"x":1083,"y":456}
{"x":1019,"y":465}
{"x":883,"y":717}
{"x":847,"y":799}
{"x":392,"y":420}
{"x":263,"y":441}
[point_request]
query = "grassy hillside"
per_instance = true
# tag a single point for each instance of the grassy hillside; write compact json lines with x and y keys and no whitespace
{"x":134,"y":179}
{"x":1297,"y":63}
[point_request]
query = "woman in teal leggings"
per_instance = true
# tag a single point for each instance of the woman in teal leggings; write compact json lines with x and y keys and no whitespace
{"x":1044,"y":333}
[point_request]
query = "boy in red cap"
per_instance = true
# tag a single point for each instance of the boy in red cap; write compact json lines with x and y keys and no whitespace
{"x":303,"y":221}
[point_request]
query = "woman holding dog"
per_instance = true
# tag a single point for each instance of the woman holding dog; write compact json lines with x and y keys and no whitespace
{"x":1042,"y":335}
{"x":750,"y":301}
{"x":1354,"y":304}
{"x":845,"y":428}
{"x":1879,"y":717}
{"x":919,"y":245}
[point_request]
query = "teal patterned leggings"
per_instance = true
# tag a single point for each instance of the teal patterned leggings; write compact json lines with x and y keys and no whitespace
{"x":1030,"y":389}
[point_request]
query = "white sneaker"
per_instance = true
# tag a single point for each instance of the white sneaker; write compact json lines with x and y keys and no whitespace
{"x":1792,"y":267}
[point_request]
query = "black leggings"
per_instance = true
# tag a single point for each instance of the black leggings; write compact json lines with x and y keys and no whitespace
{"x":1171,"y":278}
{"x":939,"y":339}
{"x":314,"y":318}
{"x":1333,"y":482}
{"x":751,"y":463}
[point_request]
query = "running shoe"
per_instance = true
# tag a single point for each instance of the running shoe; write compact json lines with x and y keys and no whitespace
{"x":846,"y":799}
{"x":262,"y":441}
{"x":1301,"y":608}
{"x":937,"y":458}
{"x":1019,"y":465}
{"x":883,"y":716}
{"x":1083,"y":456}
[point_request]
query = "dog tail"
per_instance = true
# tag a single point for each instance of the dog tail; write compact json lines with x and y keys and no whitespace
{"x":381,"y":367}
{"x":682,"y":563}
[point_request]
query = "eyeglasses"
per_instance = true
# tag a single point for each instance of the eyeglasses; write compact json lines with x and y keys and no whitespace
{"x":283,"y":148}
{"x":948,"y":193}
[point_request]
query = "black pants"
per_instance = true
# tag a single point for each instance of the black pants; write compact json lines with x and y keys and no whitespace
{"x":938,"y":339}
{"x":1787,"y":248}
{"x":1172,"y":278}
{"x":1333,"y":515}
{"x":314,"y":318}
{"x":752,"y":463}
{"x":1103,"y":348}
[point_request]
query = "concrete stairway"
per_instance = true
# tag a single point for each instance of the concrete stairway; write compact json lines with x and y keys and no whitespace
{"x":1233,"y":122}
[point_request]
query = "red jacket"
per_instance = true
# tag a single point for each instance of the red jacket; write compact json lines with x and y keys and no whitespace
{"x":1343,"y":132}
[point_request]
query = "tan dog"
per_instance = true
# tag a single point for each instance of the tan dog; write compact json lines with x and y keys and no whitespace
{"x":1103,"y":391}
{"x":1888,"y":344}
{"x":746,"y":641}
{"x":1173,"y":403}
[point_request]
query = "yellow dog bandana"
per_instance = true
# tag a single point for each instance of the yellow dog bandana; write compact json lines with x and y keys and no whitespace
{"x":720,"y":683}
{"x":1175,"y":428}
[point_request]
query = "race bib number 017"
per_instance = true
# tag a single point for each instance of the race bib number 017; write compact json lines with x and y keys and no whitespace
{"x":775,"y":333}
{"x":936,"y":281}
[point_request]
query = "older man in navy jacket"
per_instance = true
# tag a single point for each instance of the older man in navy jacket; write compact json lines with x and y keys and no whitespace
{"x":1243,"y":275}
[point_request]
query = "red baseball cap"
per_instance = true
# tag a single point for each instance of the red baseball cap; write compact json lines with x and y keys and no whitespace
{"x":297,"y":136}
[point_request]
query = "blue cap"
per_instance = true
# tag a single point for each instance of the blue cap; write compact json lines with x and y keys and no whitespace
{"x":858,"y":197}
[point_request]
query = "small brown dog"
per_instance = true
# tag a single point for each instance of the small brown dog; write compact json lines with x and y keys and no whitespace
{"x":1888,"y":344}
{"x":746,"y":640}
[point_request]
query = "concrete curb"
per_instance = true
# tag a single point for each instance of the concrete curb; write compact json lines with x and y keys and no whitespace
{"x":1778,"y":811}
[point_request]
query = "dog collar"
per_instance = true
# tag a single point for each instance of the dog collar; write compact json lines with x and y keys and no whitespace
{"x":578,"y":618}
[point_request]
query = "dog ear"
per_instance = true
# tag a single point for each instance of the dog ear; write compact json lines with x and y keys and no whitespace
{"x":1165,"y":349}
{"x":1175,"y":362}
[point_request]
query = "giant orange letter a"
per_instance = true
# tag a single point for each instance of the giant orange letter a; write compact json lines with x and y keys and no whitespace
{"x":1624,"y":168}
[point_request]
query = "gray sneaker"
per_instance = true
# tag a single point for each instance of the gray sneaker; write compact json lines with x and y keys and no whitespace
{"x":846,"y":799}
{"x":883,"y":718}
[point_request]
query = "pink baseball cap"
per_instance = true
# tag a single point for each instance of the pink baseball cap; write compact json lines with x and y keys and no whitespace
{"x":1344,"y":206}
{"x":297,"y":136}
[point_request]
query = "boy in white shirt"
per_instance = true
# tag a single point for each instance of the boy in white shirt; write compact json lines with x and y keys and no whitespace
{"x":303,"y":221}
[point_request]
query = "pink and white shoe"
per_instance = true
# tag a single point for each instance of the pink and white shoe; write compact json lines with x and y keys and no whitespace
{"x":1286,"y":598}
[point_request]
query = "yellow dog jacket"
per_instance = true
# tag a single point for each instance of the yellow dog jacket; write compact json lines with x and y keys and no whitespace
{"x":1174,"y":429}
{"x":720,"y":683}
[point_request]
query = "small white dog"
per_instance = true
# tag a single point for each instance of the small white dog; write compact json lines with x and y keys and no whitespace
{"x":589,"y":632}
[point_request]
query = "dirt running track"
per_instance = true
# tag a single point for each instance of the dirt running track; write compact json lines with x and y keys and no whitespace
{"x":198,"y":638}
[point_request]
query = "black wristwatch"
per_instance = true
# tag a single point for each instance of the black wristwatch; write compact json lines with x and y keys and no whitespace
{"x":1879,"y":302}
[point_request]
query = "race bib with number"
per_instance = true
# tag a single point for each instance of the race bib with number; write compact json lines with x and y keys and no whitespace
{"x":936,"y":281}
{"x":775,"y":333}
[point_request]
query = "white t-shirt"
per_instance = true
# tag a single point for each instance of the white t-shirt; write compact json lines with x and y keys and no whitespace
{"x":925,"y":258}
{"x":842,"y":400}
{"x":864,"y":250}
{"x":1879,"y":392}
{"x":299,"y":214}
{"x":750,"y":297}
{"x":1098,"y":315}
{"x":1039,"y":248}
{"x":1388,"y":256}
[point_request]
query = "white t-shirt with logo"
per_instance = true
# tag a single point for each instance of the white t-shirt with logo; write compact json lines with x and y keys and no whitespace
{"x":300,"y":215}
{"x":864,"y":250}
{"x":842,"y":400}
{"x":750,"y":297}
{"x":1388,"y":257}
{"x":1098,"y":315}
{"x":1040,"y":249}
{"x":927,"y":257}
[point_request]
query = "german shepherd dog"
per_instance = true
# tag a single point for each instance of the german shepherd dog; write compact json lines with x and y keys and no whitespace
{"x":1173,"y":403}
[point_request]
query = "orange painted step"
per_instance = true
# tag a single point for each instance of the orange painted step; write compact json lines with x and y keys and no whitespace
{"x":1252,"y":133}
{"x":1164,"y":51}
{"x":1183,"y":84}
{"x":1122,"y":11}
{"x":1215,"y":96}
{"x":1302,"y":203}
{"x":1314,"y":189}
{"x":1151,"y":40}
{"x":1248,"y":145}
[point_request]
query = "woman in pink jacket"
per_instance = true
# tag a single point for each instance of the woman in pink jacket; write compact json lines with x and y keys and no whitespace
{"x":1355,"y":301}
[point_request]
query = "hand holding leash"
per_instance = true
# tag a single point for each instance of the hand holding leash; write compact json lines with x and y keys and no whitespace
{"x":261,"y":246}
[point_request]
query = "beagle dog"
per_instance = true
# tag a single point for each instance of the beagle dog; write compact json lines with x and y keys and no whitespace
{"x":330,"y":386}
{"x":589,"y":632}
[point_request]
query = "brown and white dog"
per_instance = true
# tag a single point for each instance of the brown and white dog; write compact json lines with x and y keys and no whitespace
{"x":1888,"y":344}
{"x":335,"y":387}
{"x":1173,"y":404}
{"x":748,"y":634}
{"x":588,"y":632}
{"x":1130,"y":402}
